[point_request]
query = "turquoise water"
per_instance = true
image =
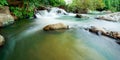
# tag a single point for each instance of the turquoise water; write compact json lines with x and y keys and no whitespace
{"x":25,"y":40}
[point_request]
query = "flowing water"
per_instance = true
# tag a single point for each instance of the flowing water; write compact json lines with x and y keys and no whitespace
{"x":25,"y":40}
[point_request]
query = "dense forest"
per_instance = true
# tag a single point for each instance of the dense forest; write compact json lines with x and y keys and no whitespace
{"x":25,"y":8}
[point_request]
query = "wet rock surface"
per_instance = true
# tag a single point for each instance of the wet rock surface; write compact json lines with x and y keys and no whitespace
{"x":110,"y":17}
{"x":56,"y":26}
{"x":81,"y":16}
{"x":1,"y":40}
{"x":104,"y":32}
{"x":5,"y":16}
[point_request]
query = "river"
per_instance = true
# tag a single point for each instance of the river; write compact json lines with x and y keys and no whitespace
{"x":25,"y":40}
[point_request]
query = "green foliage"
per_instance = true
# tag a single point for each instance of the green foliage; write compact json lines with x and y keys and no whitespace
{"x":56,"y":2}
{"x":29,"y":5}
{"x":113,"y":5}
{"x":78,"y":5}
{"x":3,"y":2}
{"x":22,"y":12}
{"x":45,"y":2}
{"x":98,"y":4}
{"x":86,"y":4}
{"x":16,"y":11}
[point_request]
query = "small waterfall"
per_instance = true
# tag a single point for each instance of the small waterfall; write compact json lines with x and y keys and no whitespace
{"x":58,"y":11}
{"x":54,"y":12}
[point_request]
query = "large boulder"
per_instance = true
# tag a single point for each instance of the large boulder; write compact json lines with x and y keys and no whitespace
{"x":5,"y":19}
{"x":4,"y":10}
{"x":1,"y":40}
{"x":56,"y":26}
{"x":5,"y":16}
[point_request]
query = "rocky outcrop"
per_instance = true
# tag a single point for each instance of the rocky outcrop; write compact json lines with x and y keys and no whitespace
{"x":1,"y":40}
{"x":5,"y":16}
{"x":110,"y":17}
{"x":56,"y":26}
{"x":103,"y":31}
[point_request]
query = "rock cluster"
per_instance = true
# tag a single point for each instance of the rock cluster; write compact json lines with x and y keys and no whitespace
{"x":81,"y":16}
{"x":110,"y":17}
{"x":103,"y":31}
{"x":98,"y":30}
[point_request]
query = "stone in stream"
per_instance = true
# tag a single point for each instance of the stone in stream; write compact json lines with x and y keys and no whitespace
{"x":110,"y":17}
{"x":5,"y":16}
{"x":103,"y":31}
{"x":78,"y":16}
{"x":81,"y":16}
{"x":98,"y":30}
{"x":56,"y":26}
{"x":1,"y":40}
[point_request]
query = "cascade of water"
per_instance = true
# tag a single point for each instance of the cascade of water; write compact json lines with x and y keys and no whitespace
{"x":52,"y":13}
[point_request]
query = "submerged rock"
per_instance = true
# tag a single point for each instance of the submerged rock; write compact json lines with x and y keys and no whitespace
{"x":1,"y":40}
{"x":78,"y":16}
{"x":5,"y":16}
{"x":110,"y":17}
{"x":56,"y":26}
{"x":81,"y":16}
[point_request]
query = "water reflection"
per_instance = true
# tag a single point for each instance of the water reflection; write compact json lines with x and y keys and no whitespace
{"x":54,"y":46}
{"x":31,"y":43}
